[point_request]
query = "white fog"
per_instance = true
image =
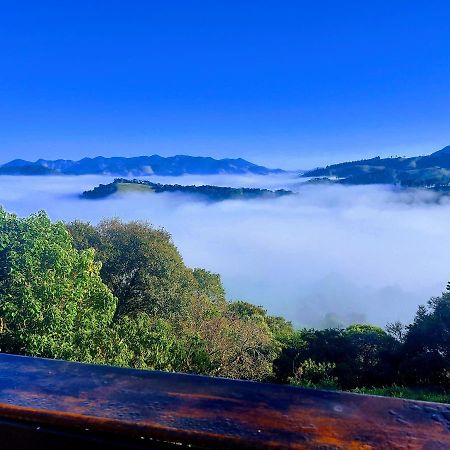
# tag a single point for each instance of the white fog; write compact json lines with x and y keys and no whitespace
{"x":329,"y":255}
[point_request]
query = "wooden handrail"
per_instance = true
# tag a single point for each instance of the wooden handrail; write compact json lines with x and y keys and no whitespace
{"x":46,"y":404}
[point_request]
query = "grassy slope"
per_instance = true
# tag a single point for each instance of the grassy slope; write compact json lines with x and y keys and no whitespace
{"x":128,"y":187}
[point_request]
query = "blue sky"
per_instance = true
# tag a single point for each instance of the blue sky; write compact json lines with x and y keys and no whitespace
{"x":291,"y":84}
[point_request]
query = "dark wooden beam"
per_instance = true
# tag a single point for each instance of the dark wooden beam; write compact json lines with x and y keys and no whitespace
{"x":47,"y":404}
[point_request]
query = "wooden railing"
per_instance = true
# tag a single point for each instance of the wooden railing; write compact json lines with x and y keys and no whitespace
{"x":47,"y":404}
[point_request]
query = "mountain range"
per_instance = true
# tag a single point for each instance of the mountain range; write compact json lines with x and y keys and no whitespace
{"x":136,"y":166}
{"x":430,"y":171}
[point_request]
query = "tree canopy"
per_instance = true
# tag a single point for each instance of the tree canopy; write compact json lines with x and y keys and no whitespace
{"x":52,"y":298}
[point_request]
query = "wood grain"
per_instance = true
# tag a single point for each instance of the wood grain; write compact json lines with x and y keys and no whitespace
{"x":144,"y":409}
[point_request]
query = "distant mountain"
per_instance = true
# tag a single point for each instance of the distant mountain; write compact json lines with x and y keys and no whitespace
{"x":210,"y":193}
{"x":431,"y":171}
{"x":138,"y":166}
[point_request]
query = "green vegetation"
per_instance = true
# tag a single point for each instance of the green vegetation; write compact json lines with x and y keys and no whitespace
{"x":426,"y":395}
{"x":210,"y":193}
{"x":431,"y":171}
{"x":119,"y":293}
{"x":53,"y":301}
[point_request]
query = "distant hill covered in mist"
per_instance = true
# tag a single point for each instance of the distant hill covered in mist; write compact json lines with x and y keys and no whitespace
{"x":431,"y":171}
{"x":210,"y":193}
{"x":136,"y":166}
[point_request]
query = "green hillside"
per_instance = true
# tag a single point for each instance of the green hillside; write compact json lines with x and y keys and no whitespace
{"x":207,"y":192}
{"x":431,"y":171}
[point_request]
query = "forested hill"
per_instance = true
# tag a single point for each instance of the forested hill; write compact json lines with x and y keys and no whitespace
{"x":210,"y":193}
{"x":431,"y":171}
{"x":137,"y":166}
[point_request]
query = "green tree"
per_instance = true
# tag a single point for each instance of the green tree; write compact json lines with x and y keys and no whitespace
{"x":140,"y":342}
{"x":361,"y":355}
{"x":52,"y":299}
{"x":140,"y":265}
{"x":314,"y":375}
{"x":84,"y":234}
{"x":209,"y":284}
{"x":426,"y":351}
{"x":371,"y":355}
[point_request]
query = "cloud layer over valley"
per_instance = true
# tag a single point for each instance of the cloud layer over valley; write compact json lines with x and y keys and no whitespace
{"x":329,"y":255}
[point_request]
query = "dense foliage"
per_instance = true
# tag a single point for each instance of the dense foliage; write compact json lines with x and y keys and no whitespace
{"x":52,"y":299}
{"x":119,"y":293}
{"x":210,"y":193}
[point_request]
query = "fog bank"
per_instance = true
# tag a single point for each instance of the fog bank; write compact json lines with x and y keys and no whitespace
{"x":328,"y":255}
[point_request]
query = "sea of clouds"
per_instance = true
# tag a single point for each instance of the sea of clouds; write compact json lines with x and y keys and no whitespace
{"x":329,"y":255}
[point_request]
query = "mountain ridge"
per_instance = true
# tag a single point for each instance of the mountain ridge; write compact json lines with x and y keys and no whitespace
{"x":431,"y":171}
{"x":136,"y":166}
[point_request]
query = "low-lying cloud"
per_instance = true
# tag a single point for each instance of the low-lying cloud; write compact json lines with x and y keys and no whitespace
{"x":329,"y":255}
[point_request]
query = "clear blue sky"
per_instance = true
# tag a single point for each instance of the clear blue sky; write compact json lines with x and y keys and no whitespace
{"x":285,"y":83}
